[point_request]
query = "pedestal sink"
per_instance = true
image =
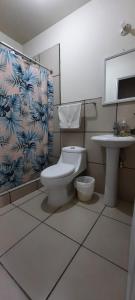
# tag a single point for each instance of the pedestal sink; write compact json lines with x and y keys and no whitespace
{"x":113,"y":145}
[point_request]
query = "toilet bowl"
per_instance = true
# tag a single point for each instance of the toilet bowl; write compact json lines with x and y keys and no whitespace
{"x":58,"y":179}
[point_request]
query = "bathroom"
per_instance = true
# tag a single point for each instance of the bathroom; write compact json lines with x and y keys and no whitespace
{"x":79,"y":250}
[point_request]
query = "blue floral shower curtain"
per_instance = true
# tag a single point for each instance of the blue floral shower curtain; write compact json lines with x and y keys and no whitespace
{"x":26,"y":113}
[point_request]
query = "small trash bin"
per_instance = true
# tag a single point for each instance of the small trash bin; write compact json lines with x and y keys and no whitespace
{"x":85,"y":187}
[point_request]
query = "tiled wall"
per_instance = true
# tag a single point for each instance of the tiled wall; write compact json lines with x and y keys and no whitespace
{"x":51,"y":59}
{"x":99,"y":120}
{"x":127,"y":174}
{"x":94,"y":120}
{"x":21,"y":191}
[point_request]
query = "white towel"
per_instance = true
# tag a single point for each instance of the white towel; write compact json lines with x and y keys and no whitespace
{"x":70,"y":115}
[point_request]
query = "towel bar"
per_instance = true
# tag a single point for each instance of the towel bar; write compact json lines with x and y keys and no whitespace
{"x":94,"y":103}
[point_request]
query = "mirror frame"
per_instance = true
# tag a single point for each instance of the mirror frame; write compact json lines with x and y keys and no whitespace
{"x":104,"y":102}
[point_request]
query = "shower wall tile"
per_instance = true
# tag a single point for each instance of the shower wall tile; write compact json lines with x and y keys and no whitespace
{"x":4,"y":200}
{"x":128,"y":156}
{"x":95,"y":153}
{"x":126,"y":184}
{"x":56,"y":144}
{"x":50,"y":59}
{"x":99,"y":118}
{"x":98,"y":172}
{"x":22,"y":191}
{"x":82,"y":125}
{"x":56,"y":119}
{"x":127,"y":174}
{"x":72,"y":139}
{"x":39,"y":184}
{"x":126,"y":112}
{"x":56,"y":83}
{"x":53,"y":160}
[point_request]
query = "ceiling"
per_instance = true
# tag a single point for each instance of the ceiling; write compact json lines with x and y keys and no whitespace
{"x":24,"y":19}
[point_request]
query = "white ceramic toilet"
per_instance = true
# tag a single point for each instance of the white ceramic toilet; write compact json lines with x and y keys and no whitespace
{"x":58,"y":179}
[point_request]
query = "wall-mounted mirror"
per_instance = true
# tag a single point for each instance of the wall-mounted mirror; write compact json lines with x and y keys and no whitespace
{"x":120,"y":78}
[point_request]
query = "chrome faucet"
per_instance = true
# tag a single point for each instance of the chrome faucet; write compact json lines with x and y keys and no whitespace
{"x":121,"y":128}
{"x":116,"y":128}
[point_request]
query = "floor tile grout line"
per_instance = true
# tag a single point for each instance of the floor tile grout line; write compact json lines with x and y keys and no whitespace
{"x":69,"y":263}
{"x":21,"y":239}
{"x":91,"y":210}
{"x":55,"y":229}
{"x":105,"y":258}
{"x":17,"y":206}
{"x":50,"y":215}
{"x":29,"y":214}
{"x":26,"y":200}
{"x":60,"y":232}
{"x":80,"y":245}
{"x":57,"y":209}
{"x":44,"y":222}
{"x":40,"y":222}
{"x":15,"y":246}
{"x":93,"y":226}
{"x":11,"y":276}
{"x":58,"y":280}
{"x":111,"y":218}
{"x":6,"y":212}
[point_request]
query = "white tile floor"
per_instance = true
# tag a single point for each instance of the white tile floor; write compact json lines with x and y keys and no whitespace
{"x":77,"y":252}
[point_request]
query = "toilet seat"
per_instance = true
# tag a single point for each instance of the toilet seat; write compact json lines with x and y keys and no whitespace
{"x":59,"y":170}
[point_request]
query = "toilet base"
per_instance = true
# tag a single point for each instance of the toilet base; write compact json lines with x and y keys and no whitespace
{"x":60,"y":195}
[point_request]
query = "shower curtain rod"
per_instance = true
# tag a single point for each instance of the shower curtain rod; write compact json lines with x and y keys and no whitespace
{"x":23,"y":55}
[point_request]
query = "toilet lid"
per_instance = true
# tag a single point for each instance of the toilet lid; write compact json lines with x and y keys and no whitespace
{"x":58,"y":170}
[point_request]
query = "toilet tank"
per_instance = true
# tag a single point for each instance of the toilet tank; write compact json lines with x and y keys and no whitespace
{"x":74,"y":155}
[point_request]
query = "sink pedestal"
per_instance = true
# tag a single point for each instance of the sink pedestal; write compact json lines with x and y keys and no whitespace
{"x":113,"y":145}
{"x":111,"y":180}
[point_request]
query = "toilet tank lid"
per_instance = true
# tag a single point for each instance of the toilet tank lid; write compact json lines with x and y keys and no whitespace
{"x":73,"y":149}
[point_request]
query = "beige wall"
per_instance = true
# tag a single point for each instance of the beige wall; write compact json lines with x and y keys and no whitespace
{"x":6,"y":39}
{"x":87,"y":37}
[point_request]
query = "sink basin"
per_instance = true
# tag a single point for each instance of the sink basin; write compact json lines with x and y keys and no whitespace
{"x":110,"y":140}
{"x":113,"y":145}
